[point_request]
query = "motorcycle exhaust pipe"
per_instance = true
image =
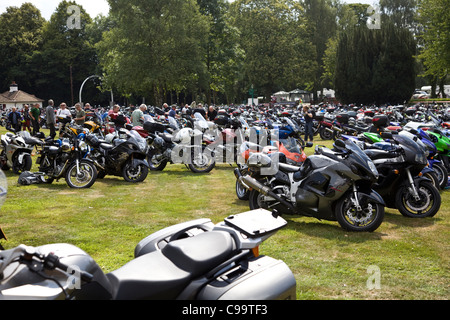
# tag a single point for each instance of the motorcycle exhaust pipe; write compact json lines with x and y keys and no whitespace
{"x":249,"y":182}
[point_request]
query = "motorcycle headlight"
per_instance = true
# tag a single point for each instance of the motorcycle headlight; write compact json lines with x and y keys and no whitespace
{"x":420,"y":158}
{"x":373,"y":168}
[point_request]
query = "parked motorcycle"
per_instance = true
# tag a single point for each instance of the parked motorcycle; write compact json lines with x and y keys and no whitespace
{"x":15,"y":151}
{"x":329,"y":186}
{"x":183,"y":145}
{"x":400,"y":183}
{"x":64,"y":159}
{"x":195,"y":260}
{"x":125,"y":156}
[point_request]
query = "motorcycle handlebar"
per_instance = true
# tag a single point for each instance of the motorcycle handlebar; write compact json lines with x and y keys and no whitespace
{"x":52,"y":261}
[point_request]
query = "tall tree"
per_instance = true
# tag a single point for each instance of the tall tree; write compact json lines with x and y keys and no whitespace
{"x":21,"y":34}
{"x":277,"y":51}
{"x":67,"y":56}
{"x":156,"y":47}
{"x":434,"y":18}
{"x":375,"y":66}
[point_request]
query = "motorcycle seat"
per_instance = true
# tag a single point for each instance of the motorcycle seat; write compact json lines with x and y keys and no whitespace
{"x":166,"y":137}
{"x":163,"y":274}
{"x":33,"y":141}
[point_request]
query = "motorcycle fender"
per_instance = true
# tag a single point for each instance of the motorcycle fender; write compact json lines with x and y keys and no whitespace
{"x":137,"y":162}
{"x":373,"y":196}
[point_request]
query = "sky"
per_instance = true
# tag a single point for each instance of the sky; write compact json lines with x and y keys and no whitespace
{"x":93,"y":7}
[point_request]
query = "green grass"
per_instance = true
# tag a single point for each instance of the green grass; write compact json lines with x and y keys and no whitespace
{"x":109,"y":219}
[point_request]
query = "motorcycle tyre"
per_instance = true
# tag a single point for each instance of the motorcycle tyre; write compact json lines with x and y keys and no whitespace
{"x":325,"y":134}
{"x":142,"y":176}
{"x":159,"y":167}
{"x":434,"y":179}
{"x":346,"y":225}
{"x":86,"y":186}
{"x":442,"y":173}
{"x":26,"y":165}
{"x":241,"y":192}
{"x":436,"y":198}
{"x":204,"y":169}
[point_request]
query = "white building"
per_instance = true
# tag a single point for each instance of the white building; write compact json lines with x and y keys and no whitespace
{"x":17,"y":98}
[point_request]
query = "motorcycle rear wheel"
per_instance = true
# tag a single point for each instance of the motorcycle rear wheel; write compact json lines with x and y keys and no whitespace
{"x":84,"y":180}
{"x":428,"y":205}
{"x":367,"y":220}
{"x":156,"y":165}
{"x":202,"y":163}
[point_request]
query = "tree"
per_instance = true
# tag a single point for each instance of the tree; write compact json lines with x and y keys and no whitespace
{"x":277,"y":51}
{"x":21,"y":35}
{"x":66,"y":57}
{"x":375,"y":66}
{"x":155,"y":47}
{"x":434,"y":18}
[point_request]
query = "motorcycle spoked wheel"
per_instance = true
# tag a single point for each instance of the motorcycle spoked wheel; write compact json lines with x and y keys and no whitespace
{"x":427,"y":206}
{"x":86,"y":177}
{"x":135,"y":175}
{"x":367,"y":220}
{"x":26,"y":165}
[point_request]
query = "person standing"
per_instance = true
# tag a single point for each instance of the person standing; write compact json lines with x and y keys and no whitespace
{"x":26,"y":124}
{"x":137,"y":117}
{"x":308,"y":114}
{"x":35,"y":113}
{"x":15,"y":119}
{"x":50,"y":118}
{"x":80,"y":115}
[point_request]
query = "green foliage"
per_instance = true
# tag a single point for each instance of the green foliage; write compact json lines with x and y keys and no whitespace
{"x":375,"y":66}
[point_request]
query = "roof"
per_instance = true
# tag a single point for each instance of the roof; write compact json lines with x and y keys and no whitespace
{"x":18,"y":97}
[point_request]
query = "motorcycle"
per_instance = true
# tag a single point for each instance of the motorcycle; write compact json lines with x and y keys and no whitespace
{"x":195,"y":260}
{"x":15,"y":151}
{"x":289,"y":152}
{"x":63,"y":158}
{"x":125,"y":156}
{"x":182,"y":146}
{"x":401,"y":183}
{"x":335,"y":186}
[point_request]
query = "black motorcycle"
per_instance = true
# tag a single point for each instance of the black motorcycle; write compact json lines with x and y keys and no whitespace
{"x":64,"y":159}
{"x":329,"y":186}
{"x":400,"y":183}
{"x":125,"y":156}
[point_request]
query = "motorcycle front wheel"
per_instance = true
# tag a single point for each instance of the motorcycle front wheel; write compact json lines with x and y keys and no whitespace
{"x":368,"y":219}
{"x":201,"y":163}
{"x":137,"y":174}
{"x":427,"y":205}
{"x":26,"y":164}
{"x":85,"y":178}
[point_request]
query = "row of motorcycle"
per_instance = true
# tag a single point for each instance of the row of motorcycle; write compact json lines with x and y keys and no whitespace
{"x":198,"y":260}
{"x":387,"y":165}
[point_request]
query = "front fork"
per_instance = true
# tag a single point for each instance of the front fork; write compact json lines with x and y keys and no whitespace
{"x":355,"y":193}
{"x":412,"y":185}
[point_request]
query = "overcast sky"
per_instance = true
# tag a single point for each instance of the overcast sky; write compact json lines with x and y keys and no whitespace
{"x":93,"y":7}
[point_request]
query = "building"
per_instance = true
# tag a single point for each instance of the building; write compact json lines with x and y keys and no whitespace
{"x":17,"y":98}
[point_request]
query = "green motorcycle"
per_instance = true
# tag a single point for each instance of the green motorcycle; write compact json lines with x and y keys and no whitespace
{"x":442,"y":143}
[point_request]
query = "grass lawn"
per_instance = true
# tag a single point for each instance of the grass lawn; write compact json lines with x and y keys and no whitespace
{"x":410,"y":256}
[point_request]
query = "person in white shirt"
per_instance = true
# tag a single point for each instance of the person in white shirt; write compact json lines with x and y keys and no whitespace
{"x":62,"y":112}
